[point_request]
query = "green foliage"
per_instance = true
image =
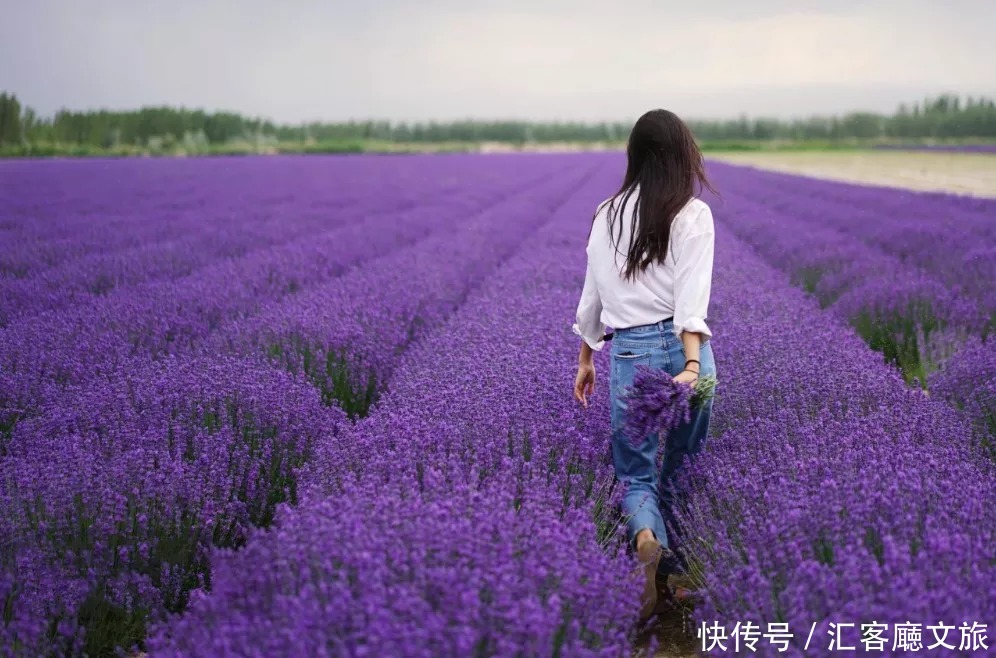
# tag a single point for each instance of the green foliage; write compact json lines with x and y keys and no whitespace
{"x":348,"y":386}
{"x":167,"y":544}
{"x":900,"y":336}
{"x":10,"y":119}
{"x":180,"y":131}
{"x":110,"y":626}
{"x":325,"y":147}
{"x":784,"y":144}
{"x":7,"y":423}
{"x":808,"y":278}
{"x":705,"y":389}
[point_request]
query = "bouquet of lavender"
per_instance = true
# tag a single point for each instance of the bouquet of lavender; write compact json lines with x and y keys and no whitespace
{"x":658,"y":404}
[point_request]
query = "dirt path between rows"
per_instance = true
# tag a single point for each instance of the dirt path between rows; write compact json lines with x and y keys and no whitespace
{"x":673,"y":638}
{"x":961,"y":173}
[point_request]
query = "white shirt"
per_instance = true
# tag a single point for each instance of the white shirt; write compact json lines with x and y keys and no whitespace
{"x":679,"y":287}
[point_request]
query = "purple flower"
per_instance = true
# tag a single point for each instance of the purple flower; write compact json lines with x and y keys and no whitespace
{"x":655,"y":404}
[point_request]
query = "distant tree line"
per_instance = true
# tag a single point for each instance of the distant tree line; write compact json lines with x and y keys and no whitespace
{"x":944,"y":117}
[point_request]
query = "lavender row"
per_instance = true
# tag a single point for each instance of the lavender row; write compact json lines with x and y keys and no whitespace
{"x":971,"y":215}
{"x":835,"y":266}
{"x":64,"y":199}
{"x":968,"y":381}
{"x":912,"y":318}
{"x":84,"y":280}
{"x":49,"y":351}
{"x":221,"y":233}
{"x":831,"y":492}
{"x":119,"y":231}
{"x":57,"y":212}
{"x":217,"y":471}
{"x":111,"y":498}
{"x":935,"y":232}
{"x":459,"y":517}
{"x":483,"y":388}
{"x":346,"y":340}
{"x":920,"y":306}
{"x":106,"y":207}
{"x":444,"y":571}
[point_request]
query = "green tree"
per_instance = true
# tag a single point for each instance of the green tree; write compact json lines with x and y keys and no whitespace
{"x":945,"y":116}
{"x":10,"y":119}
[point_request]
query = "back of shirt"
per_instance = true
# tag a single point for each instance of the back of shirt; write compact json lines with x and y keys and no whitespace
{"x":678,"y":287}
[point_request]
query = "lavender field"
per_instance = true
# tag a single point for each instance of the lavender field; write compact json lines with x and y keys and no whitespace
{"x":321,"y":406}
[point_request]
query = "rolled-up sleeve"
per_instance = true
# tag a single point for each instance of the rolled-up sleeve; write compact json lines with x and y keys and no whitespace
{"x":693,"y":277}
{"x":588,"y":321}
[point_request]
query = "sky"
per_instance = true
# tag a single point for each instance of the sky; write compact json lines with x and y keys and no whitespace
{"x":297,"y":60}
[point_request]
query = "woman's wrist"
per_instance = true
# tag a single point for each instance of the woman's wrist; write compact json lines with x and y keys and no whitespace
{"x":691,"y":343}
{"x":585,"y":356}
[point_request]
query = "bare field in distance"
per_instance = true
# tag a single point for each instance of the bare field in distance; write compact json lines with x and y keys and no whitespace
{"x":961,"y":173}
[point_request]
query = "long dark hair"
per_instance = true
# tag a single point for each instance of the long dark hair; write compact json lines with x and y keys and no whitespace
{"x":664,"y":161}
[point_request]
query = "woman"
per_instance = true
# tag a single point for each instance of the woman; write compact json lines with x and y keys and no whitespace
{"x":649,"y":274}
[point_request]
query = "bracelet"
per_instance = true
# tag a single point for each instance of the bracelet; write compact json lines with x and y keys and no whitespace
{"x":694,"y":372}
{"x":687,"y":361}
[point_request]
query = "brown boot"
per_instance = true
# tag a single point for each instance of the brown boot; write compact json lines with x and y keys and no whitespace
{"x":649,"y":552}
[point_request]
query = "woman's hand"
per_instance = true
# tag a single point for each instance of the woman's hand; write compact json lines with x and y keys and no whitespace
{"x":687,"y":377}
{"x":584,"y":383}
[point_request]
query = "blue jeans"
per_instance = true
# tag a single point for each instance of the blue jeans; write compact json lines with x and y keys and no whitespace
{"x":652,"y":497}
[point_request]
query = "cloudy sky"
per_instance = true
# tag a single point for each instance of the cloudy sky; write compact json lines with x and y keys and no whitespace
{"x":293,"y":60}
